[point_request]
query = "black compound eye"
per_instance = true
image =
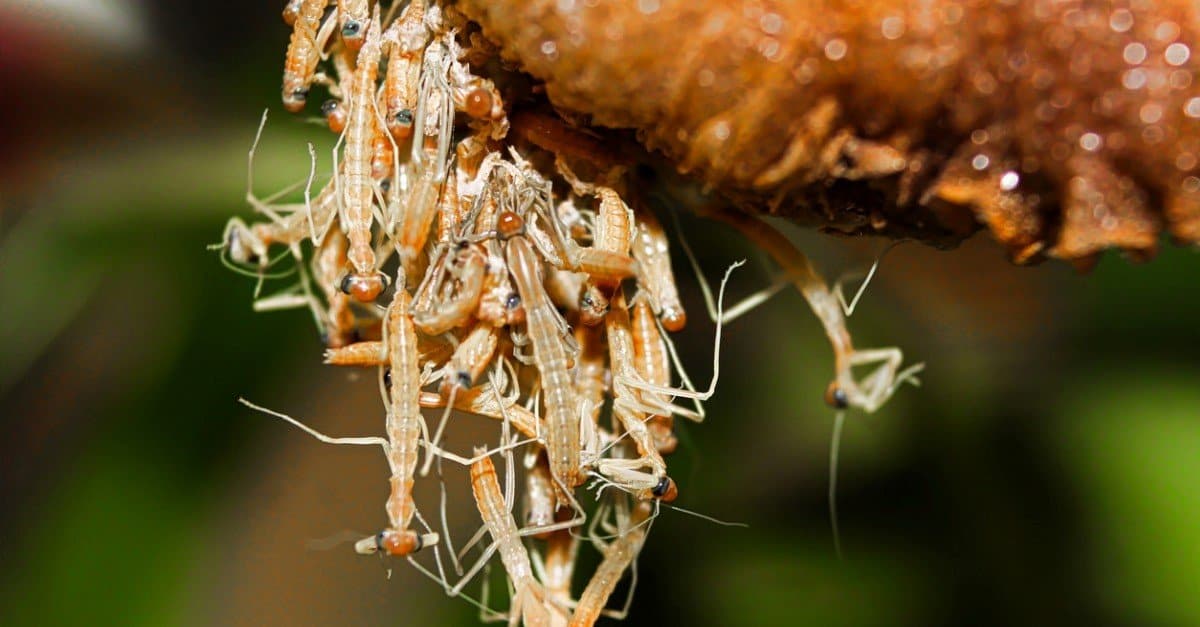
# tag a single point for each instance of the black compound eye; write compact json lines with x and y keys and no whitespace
{"x":405,"y":117}
{"x":346,"y":284}
{"x":387,"y":378}
{"x":513,"y":301}
{"x":661,"y":488}
{"x":351,"y":29}
{"x":385,"y":185}
{"x":379,"y":541}
{"x":329,"y":106}
{"x":463,"y":379}
{"x":836,"y":397}
{"x":300,"y":94}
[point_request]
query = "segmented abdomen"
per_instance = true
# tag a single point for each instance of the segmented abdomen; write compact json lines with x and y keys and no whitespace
{"x":499,"y":521}
{"x":357,"y":184}
{"x":617,"y":557}
{"x":562,"y":426}
{"x":404,"y":413}
{"x":302,"y":54}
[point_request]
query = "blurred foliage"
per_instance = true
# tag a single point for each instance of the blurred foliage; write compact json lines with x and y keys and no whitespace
{"x":1044,"y":471}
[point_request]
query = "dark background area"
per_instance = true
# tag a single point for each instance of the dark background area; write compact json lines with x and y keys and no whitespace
{"x":1045,"y":471}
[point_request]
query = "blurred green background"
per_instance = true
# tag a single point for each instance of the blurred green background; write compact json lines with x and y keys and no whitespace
{"x":1045,"y":472}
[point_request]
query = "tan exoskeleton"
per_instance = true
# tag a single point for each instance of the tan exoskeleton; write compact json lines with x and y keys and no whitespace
{"x":466,"y":268}
{"x":500,"y":303}
{"x":404,"y":425}
{"x":291,"y":11}
{"x":495,"y":508}
{"x":540,"y":504}
{"x":619,"y":555}
{"x":549,"y":353}
{"x":305,"y":50}
{"x":605,"y":267}
{"x":652,"y":252}
{"x":405,"y":40}
{"x":654,"y":366}
{"x":529,"y":599}
{"x":830,"y":307}
{"x":495,"y":399}
{"x":328,"y":267}
{"x":646,"y":475}
{"x":591,"y":373}
{"x":434,"y":125}
{"x":867,"y":394}
{"x":656,"y":399}
{"x":557,"y":568}
{"x":357,"y":186}
{"x":401,"y":384}
{"x":612,"y":234}
{"x":470,"y":359}
{"x":289,"y":223}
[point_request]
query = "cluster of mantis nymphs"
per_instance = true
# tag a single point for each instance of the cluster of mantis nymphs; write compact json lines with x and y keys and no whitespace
{"x":501,"y":285}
